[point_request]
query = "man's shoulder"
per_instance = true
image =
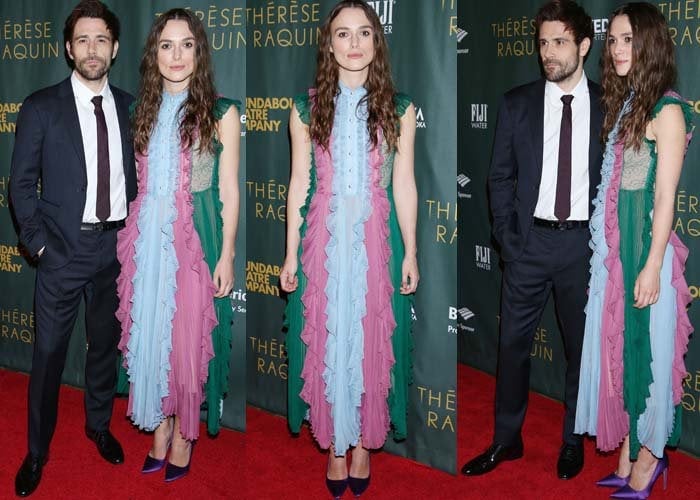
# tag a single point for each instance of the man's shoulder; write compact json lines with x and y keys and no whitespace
{"x":525,"y":91}
{"x":48,"y":94}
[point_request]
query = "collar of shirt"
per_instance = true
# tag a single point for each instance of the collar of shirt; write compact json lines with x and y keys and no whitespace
{"x":84,"y":95}
{"x":553,"y":92}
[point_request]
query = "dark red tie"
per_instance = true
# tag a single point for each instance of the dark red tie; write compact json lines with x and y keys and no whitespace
{"x":102,"y":207}
{"x":562,"y":203}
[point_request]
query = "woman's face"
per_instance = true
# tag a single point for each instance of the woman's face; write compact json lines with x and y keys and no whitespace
{"x":352,"y":40}
{"x":620,"y":44}
{"x":176,"y":48}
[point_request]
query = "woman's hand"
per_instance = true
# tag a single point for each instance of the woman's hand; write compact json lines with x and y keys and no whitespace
{"x":409,"y":275}
{"x":288,"y":275}
{"x":223,"y":277}
{"x":646,"y":288}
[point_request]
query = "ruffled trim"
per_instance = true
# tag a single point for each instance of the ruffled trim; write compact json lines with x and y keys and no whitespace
{"x":345,"y":409}
{"x":379,"y":323}
{"x":314,"y":333}
{"x":680,"y":256}
{"x":612,"y":422}
{"x":683,"y":326}
{"x":146,"y":394}
{"x":186,"y":393}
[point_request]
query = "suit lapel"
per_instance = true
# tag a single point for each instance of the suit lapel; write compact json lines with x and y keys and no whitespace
{"x":71,"y":123}
{"x":535,"y":109}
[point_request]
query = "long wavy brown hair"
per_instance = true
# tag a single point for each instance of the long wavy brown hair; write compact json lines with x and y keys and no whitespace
{"x":653,"y":72}
{"x":198,"y":118}
{"x":379,"y":85}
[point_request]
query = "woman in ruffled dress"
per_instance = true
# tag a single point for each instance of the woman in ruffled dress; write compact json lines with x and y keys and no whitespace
{"x":637,"y":327}
{"x":350,"y":266}
{"x":177,"y":248}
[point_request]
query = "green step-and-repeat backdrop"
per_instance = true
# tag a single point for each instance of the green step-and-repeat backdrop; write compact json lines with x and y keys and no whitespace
{"x":282,"y":44}
{"x":31,"y":57}
{"x":496,"y":52}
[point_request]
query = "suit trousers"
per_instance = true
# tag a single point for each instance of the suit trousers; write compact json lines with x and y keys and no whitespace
{"x":552,"y":261}
{"x":91,"y":275}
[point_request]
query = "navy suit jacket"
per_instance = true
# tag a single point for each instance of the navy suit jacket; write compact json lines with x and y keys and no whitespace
{"x":49,"y":146}
{"x":516,"y":163}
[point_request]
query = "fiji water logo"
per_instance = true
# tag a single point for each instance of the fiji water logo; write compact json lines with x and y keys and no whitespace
{"x":482,"y":257}
{"x":385,"y":11}
{"x":480,"y":116}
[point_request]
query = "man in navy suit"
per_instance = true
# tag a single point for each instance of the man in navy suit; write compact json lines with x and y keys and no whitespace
{"x":75,"y":138}
{"x":544,"y":173}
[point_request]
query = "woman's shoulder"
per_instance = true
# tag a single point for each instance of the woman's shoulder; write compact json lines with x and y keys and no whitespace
{"x":401,"y":102}
{"x":671,"y":97}
{"x":223,"y":104}
{"x":302,"y":102}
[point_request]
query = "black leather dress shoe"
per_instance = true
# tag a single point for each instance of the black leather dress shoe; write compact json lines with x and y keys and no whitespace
{"x":107,"y":445}
{"x":488,"y":460}
{"x":570,"y":461}
{"x":29,"y":475}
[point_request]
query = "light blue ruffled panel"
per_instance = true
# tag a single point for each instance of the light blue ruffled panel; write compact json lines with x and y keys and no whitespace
{"x":347,"y":266}
{"x":156,"y":267}
{"x":655,"y":425}
{"x":589,"y":377}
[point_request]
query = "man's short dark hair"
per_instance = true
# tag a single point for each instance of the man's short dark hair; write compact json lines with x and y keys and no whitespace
{"x":576,"y":20}
{"x":94,"y":9}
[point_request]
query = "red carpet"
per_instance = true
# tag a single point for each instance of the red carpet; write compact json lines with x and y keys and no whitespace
{"x":267,"y":463}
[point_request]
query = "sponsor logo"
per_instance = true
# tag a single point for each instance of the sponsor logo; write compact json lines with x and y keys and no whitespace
{"x":461,"y":315}
{"x":462,"y":182}
{"x":600,"y":28}
{"x":462,"y":35}
{"x":483,"y":257}
{"x":420,"y":119}
{"x":385,"y":11}
{"x":479,"y":116}
{"x":239,"y":298}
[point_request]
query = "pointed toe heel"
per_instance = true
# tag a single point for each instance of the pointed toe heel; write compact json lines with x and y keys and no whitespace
{"x":613,"y":481}
{"x":358,"y":485}
{"x":152,"y":465}
{"x":337,"y":487}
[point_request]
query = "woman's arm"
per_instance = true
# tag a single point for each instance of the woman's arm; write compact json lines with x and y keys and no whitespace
{"x":296,"y":195}
{"x":668,"y":129}
{"x":406,"y":199}
{"x":229,"y":133}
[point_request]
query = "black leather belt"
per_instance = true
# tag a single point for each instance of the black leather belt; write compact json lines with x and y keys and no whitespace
{"x":101,"y":226}
{"x":561,"y":225}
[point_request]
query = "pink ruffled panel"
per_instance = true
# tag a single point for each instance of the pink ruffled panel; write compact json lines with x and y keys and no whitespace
{"x":683,"y":326}
{"x":613,"y":421}
{"x":379,"y":322}
{"x":195,"y":315}
{"x":314,"y":334}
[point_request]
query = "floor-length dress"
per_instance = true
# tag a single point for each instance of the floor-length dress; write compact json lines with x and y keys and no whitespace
{"x":632,"y":363}
{"x":176,"y":337}
{"x":348,"y":336}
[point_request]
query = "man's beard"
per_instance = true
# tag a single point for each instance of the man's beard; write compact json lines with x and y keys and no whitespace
{"x":91,"y":73}
{"x":561,"y":72}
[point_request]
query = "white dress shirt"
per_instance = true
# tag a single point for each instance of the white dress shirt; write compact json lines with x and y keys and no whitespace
{"x":88,"y":129}
{"x":580,"y":139}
